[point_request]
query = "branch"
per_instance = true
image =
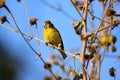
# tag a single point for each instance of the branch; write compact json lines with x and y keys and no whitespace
{"x":27,"y":15}
{"x":102,"y":19}
{"x":84,"y":42}
{"x":57,"y":9}
{"x":37,"y":39}
{"x":39,"y":55}
{"x":77,"y":10}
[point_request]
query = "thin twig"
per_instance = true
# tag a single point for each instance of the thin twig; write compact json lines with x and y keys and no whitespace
{"x":114,"y":77}
{"x":65,"y":13}
{"x":100,"y":30}
{"x":53,"y":74}
{"x":39,"y":55}
{"x":74,"y":64}
{"x":99,"y":70}
{"x":87,"y":64}
{"x":100,"y":63}
{"x":57,"y":9}
{"x":84,"y":42}
{"x":102,"y":57}
{"x":81,"y":17}
{"x":102,"y":19}
{"x":37,"y":39}
{"x":87,"y":73}
{"x":96,"y":17}
{"x":27,"y":15}
{"x":103,"y":28}
{"x":19,"y":29}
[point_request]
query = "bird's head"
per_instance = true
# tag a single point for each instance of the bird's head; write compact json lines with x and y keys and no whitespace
{"x":48,"y":24}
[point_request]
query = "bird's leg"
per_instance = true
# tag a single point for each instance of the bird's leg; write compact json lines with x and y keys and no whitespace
{"x":59,"y":46}
{"x":46,"y":43}
{"x":53,"y":46}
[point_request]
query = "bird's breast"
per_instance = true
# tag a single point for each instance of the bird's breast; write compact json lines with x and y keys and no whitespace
{"x":51,"y":36}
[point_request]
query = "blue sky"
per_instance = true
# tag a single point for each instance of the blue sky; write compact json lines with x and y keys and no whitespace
{"x":14,"y":43}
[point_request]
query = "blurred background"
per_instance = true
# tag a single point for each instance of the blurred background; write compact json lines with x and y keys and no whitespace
{"x":18,"y":61}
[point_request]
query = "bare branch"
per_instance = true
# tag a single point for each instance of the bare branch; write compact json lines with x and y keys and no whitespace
{"x":57,"y":9}
{"x":27,"y":15}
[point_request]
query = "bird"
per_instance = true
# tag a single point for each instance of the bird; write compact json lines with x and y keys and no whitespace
{"x":53,"y":37}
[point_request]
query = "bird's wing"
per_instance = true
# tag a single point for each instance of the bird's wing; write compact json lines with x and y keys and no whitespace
{"x":62,"y":46}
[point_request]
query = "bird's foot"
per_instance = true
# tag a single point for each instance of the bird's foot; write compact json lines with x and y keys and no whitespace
{"x":46,"y":43}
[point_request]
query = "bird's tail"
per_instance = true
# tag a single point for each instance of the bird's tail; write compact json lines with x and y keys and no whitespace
{"x":63,"y":54}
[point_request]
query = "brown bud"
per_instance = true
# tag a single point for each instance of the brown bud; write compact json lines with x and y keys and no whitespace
{"x":112,"y":72}
{"x":75,"y":3}
{"x":86,"y":56}
{"x":110,"y":12}
{"x":33,"y":21}
{"x":112,"y":39}
{"x":2,"y":3}
{"x":18,"y":0}
{"x":81,"y":37}
{"x":66,"y":79}
{"x":114,"y":23}
{"x":3,"y":19}
{"x":113,"y":49}
{"x":47,"y":66}
{"x":91,"y":49}
{"x":58,"y":77}
{"x":101,"y":0}
{"x":48,"y":78}
{"x":62,"y":67}
{"x":89,"y":56}
{"x":80,"y":5}
{"x":91,"y":38}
